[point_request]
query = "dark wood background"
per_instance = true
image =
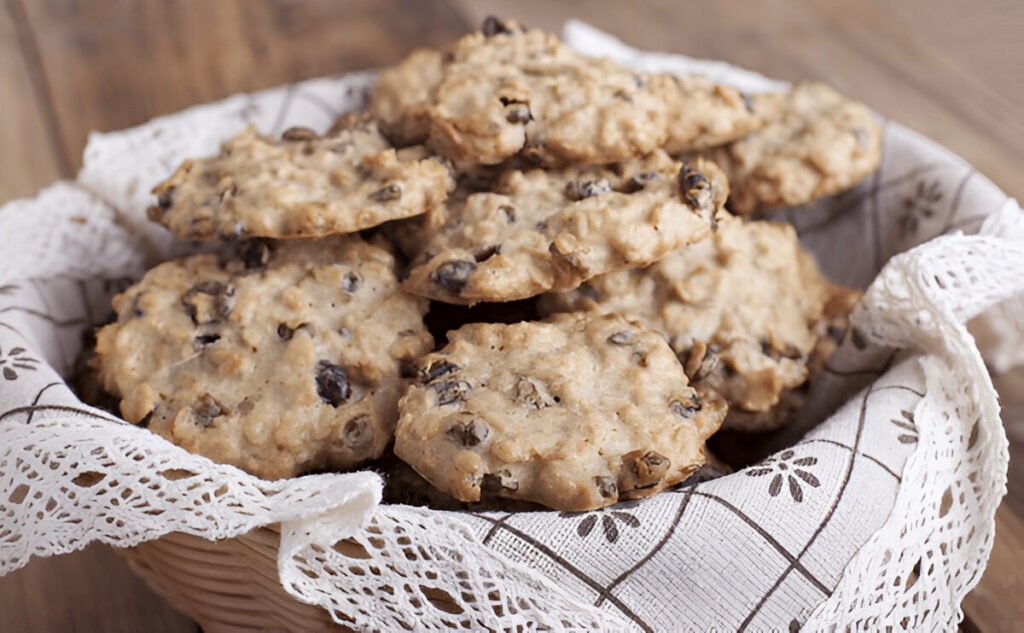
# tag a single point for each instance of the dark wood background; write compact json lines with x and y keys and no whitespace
{"x":951,"y":69}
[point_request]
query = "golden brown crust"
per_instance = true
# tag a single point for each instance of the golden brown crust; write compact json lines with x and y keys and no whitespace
{"x":285,"y":360}
{"x":746,"y":311}
{"x":575,"y":413}
{"x":507,"y":91}
{"x":300,"y":186}
{"x":817,"y":143}
{"x":539,"y":230}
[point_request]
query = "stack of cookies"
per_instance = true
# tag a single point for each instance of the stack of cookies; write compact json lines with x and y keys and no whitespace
{"x":504,"y":168}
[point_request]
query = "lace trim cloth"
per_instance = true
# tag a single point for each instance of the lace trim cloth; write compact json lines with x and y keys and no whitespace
{"x":881,"y":514}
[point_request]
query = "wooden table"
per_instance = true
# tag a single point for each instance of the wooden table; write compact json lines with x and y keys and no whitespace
{"x":948,"y":68}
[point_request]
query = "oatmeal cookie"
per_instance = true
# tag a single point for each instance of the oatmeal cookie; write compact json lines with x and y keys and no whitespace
{"x":746,"y":311}
{"x":540,"y":230}
{"x":505,"y":91}
{"x":303,"y":185}
{"x":284,"y":360}
{"x":575,"y":413}
{"x":817,"y":143}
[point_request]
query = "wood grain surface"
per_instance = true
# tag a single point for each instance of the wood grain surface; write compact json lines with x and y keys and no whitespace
{"x":950,"y":69}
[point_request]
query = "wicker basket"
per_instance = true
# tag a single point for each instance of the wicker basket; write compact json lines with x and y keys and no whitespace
{"x":227,"y":585}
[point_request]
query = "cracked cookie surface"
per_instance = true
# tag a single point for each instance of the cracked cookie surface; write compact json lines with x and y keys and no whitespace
{"x":303,"y":185}
{"x":538,"y":230}
{"x":284,"y":360}
{"x":747,"y":312}
{"x":575,"y":413}
{"x":816,"y":143}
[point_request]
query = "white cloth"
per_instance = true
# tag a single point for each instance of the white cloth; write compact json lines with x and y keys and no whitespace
{"x":882,"y":514}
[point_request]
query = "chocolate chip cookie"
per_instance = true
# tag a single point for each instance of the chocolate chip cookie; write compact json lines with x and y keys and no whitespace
{"x":745,"y":311}
{"x":507,"y":91}
{"x":817,"y":143}
{"x":302,"y":185}
{"x":539,"y":230}
{"x":575,"y":413}
{"x":283,"y":360}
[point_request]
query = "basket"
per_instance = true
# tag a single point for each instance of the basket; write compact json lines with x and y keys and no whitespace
{"x":890,"y":515}
{"x":226,"y":585}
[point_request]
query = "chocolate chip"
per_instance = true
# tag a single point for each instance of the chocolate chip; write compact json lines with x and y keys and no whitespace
{"x":358,"y":431}
{"x":469,"y":433}
{"x":586,"y":189}
{"x":298,"y":134}
{"x":206,"y":409}
{"x":496,"y":483}
{"x":642,"y":470}
{"x":637,"y":182}
{"x":606,"y":486}
{"x":696,"y":188}
{"x":351,"y":282}
{"x":332,"y":383}
{"x":387,"y":193}
{"x":493,"y":26}
{"x":519,"y":113}
{"x":509,"y":211}
{"x":453,"y":275}
{"x":435,"y":370}
{"x":255,"y":253}
{"x":451,"y":391}
{"x":203,"y":340}
{"x":487,"y":253}
{"x":687,"y":407}
{"x":624,"y":337}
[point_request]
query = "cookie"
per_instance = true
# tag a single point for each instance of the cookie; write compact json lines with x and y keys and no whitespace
{"x":506,"y":91}
{"x":285,"y":360}
{"x":575,"y":413}
{"x":300,"y":186}
{"x":817,"y":143}
{"x":540,"y":230}
{"x":745,"y":311}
